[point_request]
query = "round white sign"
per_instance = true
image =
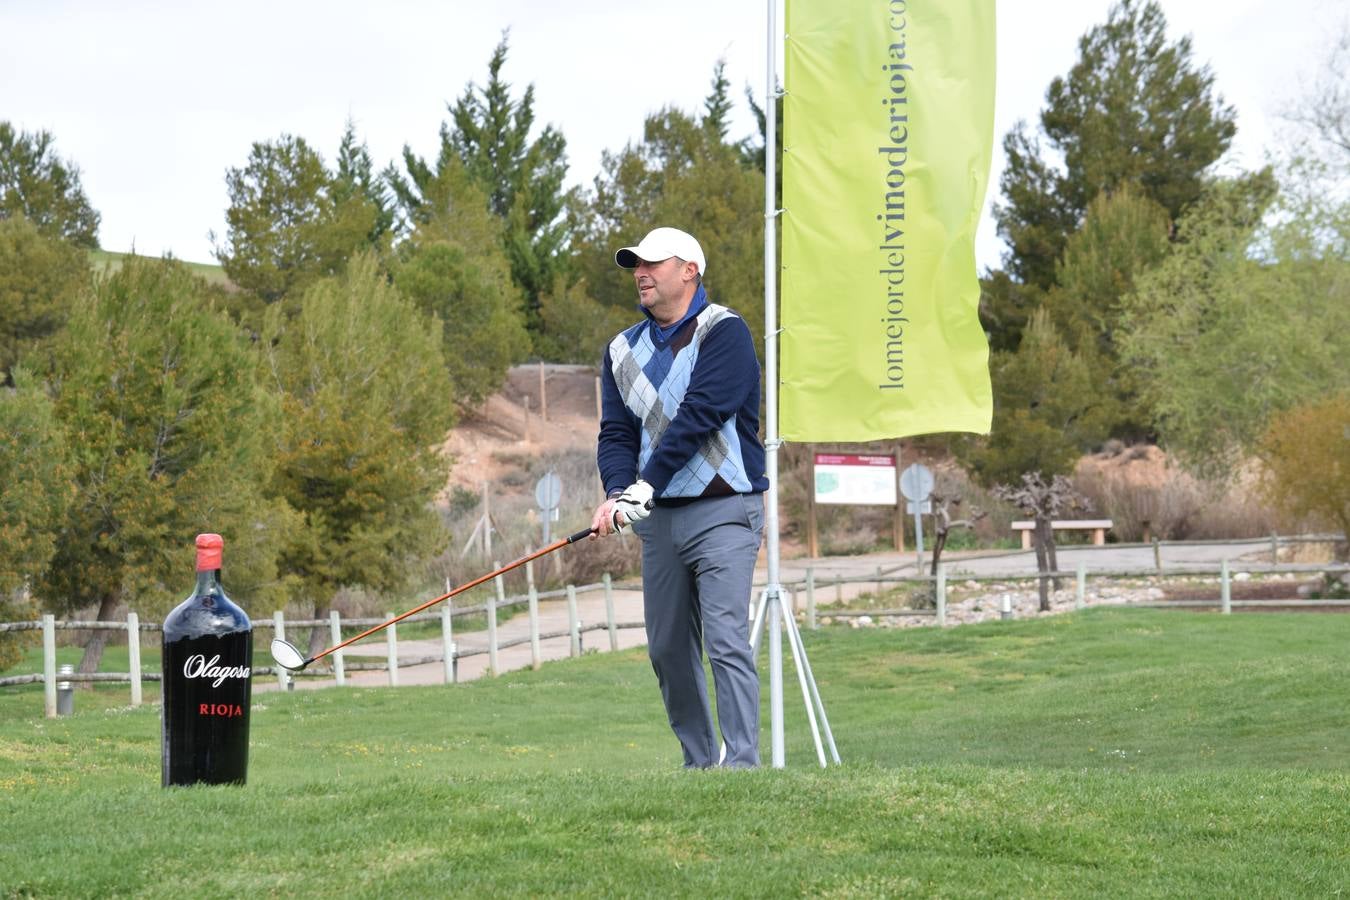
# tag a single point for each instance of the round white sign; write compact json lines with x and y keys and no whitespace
{"x":548,"y":491}
{"x":916,"y":482}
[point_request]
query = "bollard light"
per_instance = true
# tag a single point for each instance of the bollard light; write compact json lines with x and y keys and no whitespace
{"x":1005,"y":610}
{"x":65,"y":692}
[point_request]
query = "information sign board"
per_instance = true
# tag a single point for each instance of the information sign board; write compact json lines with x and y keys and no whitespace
{"x":855,"y":479}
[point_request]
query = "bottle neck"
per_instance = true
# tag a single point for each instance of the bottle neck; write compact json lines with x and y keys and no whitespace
{"x":208,"y":581}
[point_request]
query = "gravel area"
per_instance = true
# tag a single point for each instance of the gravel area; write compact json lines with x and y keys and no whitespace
{"x":971,"y":601}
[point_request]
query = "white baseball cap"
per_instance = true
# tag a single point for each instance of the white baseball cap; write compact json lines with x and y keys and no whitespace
{"x":661,"y":244}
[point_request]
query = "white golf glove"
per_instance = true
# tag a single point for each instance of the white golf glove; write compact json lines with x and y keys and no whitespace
{"x":635,"y":503}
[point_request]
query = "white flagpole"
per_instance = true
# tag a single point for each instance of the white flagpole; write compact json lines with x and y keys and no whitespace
{"x":778,"y":618}
{"x":771,"y":441}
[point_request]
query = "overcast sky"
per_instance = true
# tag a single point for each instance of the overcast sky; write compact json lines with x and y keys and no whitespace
{"x":155,"y":100}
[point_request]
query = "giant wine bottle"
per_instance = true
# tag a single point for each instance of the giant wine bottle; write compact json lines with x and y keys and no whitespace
{"x":208,"y":661}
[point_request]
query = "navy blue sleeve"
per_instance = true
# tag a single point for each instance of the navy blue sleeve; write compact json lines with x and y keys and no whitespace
{"x":616,"y":451}
{"x":724,"y":376}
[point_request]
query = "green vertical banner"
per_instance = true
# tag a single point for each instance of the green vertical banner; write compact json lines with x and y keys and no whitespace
{"x":888,"y":127}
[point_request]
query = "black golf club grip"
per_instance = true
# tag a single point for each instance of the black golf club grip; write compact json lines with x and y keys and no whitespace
{"x":584,"y":533}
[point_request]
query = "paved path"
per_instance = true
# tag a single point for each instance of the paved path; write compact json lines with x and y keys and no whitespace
{"x":553,"y":619}
{"x":1139,"y":558}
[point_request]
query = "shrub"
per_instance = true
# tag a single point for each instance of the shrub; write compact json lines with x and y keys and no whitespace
{"x":1306,"y":452}
{"x":1145,"y":494}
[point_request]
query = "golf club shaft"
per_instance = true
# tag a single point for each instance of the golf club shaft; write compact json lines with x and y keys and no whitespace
{"x":543,"y":551}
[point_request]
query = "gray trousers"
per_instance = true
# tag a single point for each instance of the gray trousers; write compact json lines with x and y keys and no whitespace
{"x":698,"y":565}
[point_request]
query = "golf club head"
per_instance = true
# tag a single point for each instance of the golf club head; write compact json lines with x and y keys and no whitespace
{"x":287,"y":656}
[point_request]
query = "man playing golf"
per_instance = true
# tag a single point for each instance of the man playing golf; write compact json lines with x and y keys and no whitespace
{"x":681,"y":461}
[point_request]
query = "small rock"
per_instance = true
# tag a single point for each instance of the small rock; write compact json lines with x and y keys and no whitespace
{"x":1243,"y":576}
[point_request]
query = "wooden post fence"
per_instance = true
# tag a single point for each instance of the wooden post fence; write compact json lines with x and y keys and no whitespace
{"x":811,"y":598}
{"x":492,"y":632}
{"x":573,"y":623}
{"x":391,"y":636}
{"x":543,"y":393}
{"x":536,"y":657}
{"x":941,"y":595}
{"x":335,"y":634}
{"x":49,"y":664}
{"x":609,"y":613}
{"x":134,"y":656}
{"x":575,"y":632}
{"x":448,"y":642}
{"x":279,"y":631}
{"x":1225,"y":590}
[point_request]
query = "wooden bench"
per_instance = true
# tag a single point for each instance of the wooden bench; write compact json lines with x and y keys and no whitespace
{"x":1098,"y":527}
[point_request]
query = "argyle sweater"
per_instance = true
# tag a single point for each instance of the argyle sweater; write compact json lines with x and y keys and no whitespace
{"x":680,"y":407}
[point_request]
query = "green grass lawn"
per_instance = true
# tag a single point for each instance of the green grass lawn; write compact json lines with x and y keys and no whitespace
{"x":107,"y":261}
{"x":1106,"y":753}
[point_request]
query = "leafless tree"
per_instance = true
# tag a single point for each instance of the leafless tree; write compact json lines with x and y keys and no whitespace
{"x":1043,"y":502}
{"x":945,"y":503}
{"x":1324,"y":104}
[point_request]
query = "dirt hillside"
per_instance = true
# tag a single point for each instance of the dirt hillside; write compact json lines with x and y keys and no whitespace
{"x":539,"y":411}
{"x":546,"y":410}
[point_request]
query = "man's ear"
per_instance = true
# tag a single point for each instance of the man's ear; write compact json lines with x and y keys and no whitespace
{"x":690,"y":272}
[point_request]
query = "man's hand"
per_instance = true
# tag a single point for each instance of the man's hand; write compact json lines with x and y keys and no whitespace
{"x":634,"y":504}
{"x":617,"y":512}
{"x":602,"y":523}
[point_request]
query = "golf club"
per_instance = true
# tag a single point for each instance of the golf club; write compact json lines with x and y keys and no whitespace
{"x":290,"y":658}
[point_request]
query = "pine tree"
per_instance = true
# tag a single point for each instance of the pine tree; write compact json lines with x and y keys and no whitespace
{"x":521,"y":176}
{"x":366,"y":404}
{"x":40,"y":278}
{"x":291,"y":221}
{"x":717,"y":106}
{"x":1134,"y":108}
{"x":33,"y":453}
{"x":37,"y":184}
{"x":1124,"y":235}
{"x":1045,"y":410}
{"x":355,"y":179}
{"x":454,"y":268}
{"x":170,"y":435}
{"x":683,"y":174}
